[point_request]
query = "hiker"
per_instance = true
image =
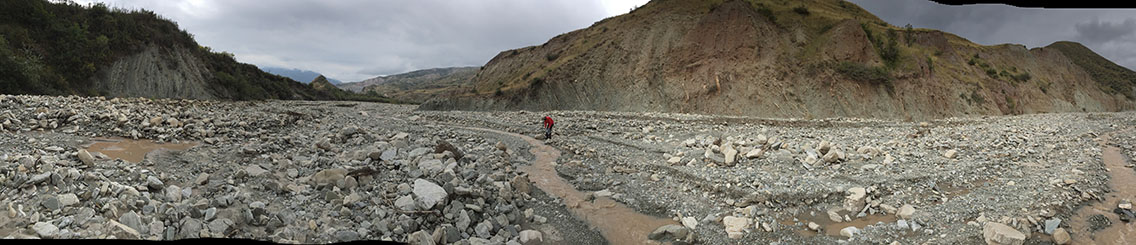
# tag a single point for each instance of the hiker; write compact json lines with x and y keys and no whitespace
{"x":547,"y":127}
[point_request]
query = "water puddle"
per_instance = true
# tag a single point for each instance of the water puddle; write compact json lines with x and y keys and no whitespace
{"x":618,"y":223}
{"x":132,"y":150}
{"x":830,"y":228}
{"x":1121,"y":180}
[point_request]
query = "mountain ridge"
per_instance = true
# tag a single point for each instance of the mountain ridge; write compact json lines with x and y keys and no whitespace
{"x":814,"y":58}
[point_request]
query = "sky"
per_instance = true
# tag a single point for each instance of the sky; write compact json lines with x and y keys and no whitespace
{"x":353,"y":40}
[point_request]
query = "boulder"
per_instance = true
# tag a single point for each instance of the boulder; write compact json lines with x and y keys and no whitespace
{"x":1001,"y":234}
{"x":428,"y":193}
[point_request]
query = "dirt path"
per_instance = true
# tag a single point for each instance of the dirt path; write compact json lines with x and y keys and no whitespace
{"x":1121,"y":180}
{"x":618,"y":223}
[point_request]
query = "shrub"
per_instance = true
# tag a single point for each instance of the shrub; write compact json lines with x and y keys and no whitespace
{"x":802,"y":10}
{"x":864,"y":73}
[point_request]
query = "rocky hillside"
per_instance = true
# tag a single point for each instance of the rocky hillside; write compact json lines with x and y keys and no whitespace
{"x":416,"y":86}
{"x":68,"y":49}
{"x":771,"y":58}
{"x":419,"y":86}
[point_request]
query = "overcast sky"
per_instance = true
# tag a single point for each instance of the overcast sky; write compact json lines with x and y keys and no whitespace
{"x":352,"y":40}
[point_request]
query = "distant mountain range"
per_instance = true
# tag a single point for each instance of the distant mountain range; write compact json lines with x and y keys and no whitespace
{"x":304,"y":76}
{"x":416,"y":86}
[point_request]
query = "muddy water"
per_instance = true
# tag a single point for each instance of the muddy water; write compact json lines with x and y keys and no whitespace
{"x":618,"y":223}
{"x":833,"y":228}
{"x":1122,"y":180}
{"x":132,"y":150}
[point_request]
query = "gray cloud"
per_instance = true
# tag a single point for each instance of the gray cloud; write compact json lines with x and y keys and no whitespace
{"x":1096,"y":31}
{"x":353,"y":40}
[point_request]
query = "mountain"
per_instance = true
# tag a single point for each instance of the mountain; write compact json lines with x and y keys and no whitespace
{"x":799,"y":59}
{"x":297,"y":74}
{"x":416,"y":86}
{"x":68,"y":49}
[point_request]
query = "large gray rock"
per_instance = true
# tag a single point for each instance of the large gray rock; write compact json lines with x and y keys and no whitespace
{"x":1001,"y":234}
{"x":428,"y":193}
{"x":132,"y":220}
{"x":255,"y":171}
{"x":329,"y":176}
{"x":530,"y":237}
{"x":405,"y":203}
{"x":68,"y":199}
{"x":86,"y":158}
{"x":154,"y":183}
{"x":669,"y":233}
{"x":735,"y":226}
{"x":430,"y":167}
{"x":45,"y":230}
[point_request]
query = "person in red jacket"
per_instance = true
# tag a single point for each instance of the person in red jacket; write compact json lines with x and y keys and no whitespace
{"x":548,"y":127}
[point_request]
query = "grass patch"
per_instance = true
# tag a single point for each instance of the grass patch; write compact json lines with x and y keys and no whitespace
{"x":871,"y":74}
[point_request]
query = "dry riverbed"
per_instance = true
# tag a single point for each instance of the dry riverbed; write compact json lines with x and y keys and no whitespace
{"x":318,"y":172}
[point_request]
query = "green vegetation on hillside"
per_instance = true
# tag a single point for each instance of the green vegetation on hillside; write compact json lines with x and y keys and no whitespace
{"x":872,"y":74}
{"x":327,"y":90}
{"x":58,"y":48}
{"x":1112,"y":77}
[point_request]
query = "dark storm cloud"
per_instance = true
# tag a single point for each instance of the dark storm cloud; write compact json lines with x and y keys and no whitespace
{"x":1100,"y":32}
{"x":1105,"y":31}
{"x":357,"y":39}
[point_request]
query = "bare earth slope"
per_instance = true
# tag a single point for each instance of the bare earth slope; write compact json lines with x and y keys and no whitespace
{"x":816,"y":58}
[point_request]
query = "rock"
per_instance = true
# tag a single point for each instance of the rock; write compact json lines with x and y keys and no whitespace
{"x":1051,"y":225}
{"x":1125,"y":204}
{"x":905,"y":212}
{"x":51,"y":203}
{"x":350,"y":199}
{"x":998,"y":233}
{"x":45,"y":230}
{"x":389,"y":154}
{"x":888,"y":208}
{"x":202,"y":179}
{"x":501,"y":146}
{"x":755,"y":153}
{"x":669,"y":233}
{"x":154,"y":183}
{"x":603,"y":193}
{"x":190,"y":228}
{"x":814,"y":226}
{"x":950,"y":154}
{"x":521,"y":184}
{"x":444,"y":146}
{"x":824,"y":146}
{"x":674,"y":161}
{"x":220,"y":225}
{"x":849,"y":231}
{"x":531,"y":237}
{"x":888,"y":159}
{"x":731,"y":154}
{"x":463,"y":220}
{"x":735,"y":226}
{"x":349,"y":235}
{"x":430,"y":167}
{"x":68,"y":199}
{"x":428,"y":193}
{"x":855,"y":199}
{"x":834,"y":215}
{"x":173,"y":193}
{"x":690,"y":222}
{"x":329,"y":176}
{"x":418,"y":152}
{"x":255,"y":171}
{"x":1060,"y":236}
{"x":482,"y":229}
{"x":86,"y":158}
{"x":131,"y":220}
{"x":405,"y":203}
{"x":833,"y":155}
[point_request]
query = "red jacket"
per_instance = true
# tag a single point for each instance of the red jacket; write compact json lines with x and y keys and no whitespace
{"x":547,"y":122}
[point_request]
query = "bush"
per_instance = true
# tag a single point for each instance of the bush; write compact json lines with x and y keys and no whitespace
{"x":802,"y":10}
{"x":864,"y":73}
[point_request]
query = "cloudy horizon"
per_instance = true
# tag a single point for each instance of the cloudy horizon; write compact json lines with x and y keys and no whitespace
{"x":352,"y":40}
